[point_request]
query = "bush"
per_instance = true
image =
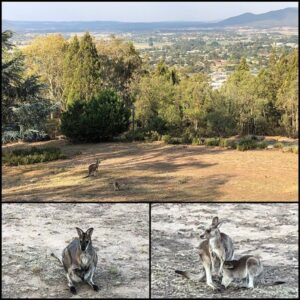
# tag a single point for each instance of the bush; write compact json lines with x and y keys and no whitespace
{"x":152,"y":136}
{"x":31,"y":156}
{"x":32,"y":135}
{"x":97,"y":120}
{"x":171,"y":140}
{"x":212,"y":142}
{"x":249,"y":144}
{"x":279,"y":145}
{"x":10,"y":136}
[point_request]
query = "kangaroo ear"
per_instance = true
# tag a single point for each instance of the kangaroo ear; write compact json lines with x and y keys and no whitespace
{"x":229,"y":265}
{"x":215,"y":221}
{"x":80,"y":232}
{"x":89,"y":232}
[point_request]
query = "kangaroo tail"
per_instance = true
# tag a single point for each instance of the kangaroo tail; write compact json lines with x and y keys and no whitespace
{"x":55,"y":256}
{"x":86,"y":176}
{"x":190,"y":276}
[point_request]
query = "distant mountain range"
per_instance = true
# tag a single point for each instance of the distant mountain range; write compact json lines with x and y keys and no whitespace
{"x":278,"y":18}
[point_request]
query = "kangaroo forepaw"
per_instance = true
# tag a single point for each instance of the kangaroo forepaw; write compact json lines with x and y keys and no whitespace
{"x":73,"y":290}
{"x":96,"y":287}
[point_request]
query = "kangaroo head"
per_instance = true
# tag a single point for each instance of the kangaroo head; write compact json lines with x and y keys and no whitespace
{"x":212,"y":230}
{"x":229,"y":264}
{"x":84,"y":238}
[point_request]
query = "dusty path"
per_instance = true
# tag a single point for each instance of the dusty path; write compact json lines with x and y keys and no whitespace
{"x":30,"y":232}
{"x":268,"y":230}
{"x":154,"y":172}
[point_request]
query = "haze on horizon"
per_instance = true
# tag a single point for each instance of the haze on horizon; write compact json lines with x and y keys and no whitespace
{"x":134,"y":11}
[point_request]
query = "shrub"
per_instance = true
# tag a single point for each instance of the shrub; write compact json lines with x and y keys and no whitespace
{"x":212,"y":142}
{"x":152,"y":136}
{"x":279,"y":145}
{"x":248,"y":144}
{"x":171,"y":140}
{"x":10,"y":136}
{"x":97,"y":120}
{"x":31,"y":156}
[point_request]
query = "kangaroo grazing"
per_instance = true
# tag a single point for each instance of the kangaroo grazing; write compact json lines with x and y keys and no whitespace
{"x":216,"y":244}
{"x":93,"y":168}
{"x":79,"y":259}
{"x":248,"y":266}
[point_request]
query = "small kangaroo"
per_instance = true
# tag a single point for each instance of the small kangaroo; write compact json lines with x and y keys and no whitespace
{"x":215,"y":243}
{"x":248,"y":266}
{"x":79,"y":259}
{"x":93,"y":168}
{"x":116,"y":186}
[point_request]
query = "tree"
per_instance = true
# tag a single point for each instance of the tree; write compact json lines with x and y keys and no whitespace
{"x":120,"y":65}
{"x":20,"y":92}
{"x":99,"y":119}
{"x":45,"y":56}
{"x":85,"y":80}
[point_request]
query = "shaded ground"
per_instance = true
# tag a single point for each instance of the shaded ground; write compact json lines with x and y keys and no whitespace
{"x":30,"y":232}
{"x":154,"y":172}
{"x":267,"y":230}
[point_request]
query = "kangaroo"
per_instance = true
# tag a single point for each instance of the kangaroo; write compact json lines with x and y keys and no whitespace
{"x":248,"y":266}
{"x":215,"y":243}
{"x":116,"y":185}
{"x":79,"y":259}
{"x":93,"y":168}
{"x":220,"y":244}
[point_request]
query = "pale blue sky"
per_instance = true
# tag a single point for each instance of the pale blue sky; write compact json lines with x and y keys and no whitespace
{"x":134,"y":11}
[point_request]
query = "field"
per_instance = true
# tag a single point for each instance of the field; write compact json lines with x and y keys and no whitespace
{"x":31,"y":232}
{"x":267,"y":230}
{"x":153,"y":172}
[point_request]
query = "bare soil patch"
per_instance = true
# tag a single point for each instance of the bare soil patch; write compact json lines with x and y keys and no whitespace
{"x":267,"y":230}
{"x":30,"y":232}
{"x":154,"y":172}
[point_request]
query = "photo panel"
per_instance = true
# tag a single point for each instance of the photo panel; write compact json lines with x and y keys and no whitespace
{"x":37,"y":245}
{"x":258,"y":242}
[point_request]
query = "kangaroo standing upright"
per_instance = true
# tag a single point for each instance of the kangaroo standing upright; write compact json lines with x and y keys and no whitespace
{"x":217,"y":244}
{"x":220,"y":244}
{"x":79,"y":259}
{"x":93,"y":168}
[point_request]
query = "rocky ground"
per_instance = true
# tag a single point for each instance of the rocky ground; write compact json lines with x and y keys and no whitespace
{"x":267,"y":230}
{"x":30,"y":232}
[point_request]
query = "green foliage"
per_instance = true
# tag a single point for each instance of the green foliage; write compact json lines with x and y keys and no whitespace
{"x":212,"y":142}
{"x":31,"y":156}
{"x":97,"y":120}
{"x":249,"y":144}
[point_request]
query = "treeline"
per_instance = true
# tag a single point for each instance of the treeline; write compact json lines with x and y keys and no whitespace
{"x":103,"y":88}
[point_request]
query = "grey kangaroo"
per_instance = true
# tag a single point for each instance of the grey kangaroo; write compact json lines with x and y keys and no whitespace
{"x":216,"y":244}
{"x":93,"y":168}
{"x":79,"y":259}
{"x":248,"y":266}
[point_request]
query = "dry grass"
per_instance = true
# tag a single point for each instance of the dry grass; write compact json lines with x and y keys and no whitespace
{"x":154,"y":172}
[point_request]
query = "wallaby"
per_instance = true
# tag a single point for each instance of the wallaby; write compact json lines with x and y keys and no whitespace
{"x":116,"y":186}
{"x":248,"y":266}
{"x":79,"y":259}
{"x":221,"y":245}
{"x":93,"y":168}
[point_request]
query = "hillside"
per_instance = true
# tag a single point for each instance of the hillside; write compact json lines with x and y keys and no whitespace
{"x":283,"y":17}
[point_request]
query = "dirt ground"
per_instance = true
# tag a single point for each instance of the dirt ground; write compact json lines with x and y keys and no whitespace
{"x":267,"y":230}
{"x":30,"y":232}
{"x":154,"y":172}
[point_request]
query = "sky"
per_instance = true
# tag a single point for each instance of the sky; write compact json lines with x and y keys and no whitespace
{"x":134,"y":11}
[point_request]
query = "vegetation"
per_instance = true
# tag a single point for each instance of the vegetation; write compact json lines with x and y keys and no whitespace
{"x":31,"y":156}
{"x":104,"y":88}
{"x":97,"y":120}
